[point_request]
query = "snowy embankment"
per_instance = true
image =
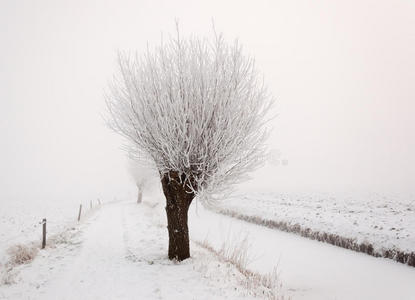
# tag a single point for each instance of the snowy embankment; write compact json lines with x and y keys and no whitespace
{"x":382,"y":226}
{"x":120,"y":252}
{"x":307,"y":269}
{"x":20,"y":221}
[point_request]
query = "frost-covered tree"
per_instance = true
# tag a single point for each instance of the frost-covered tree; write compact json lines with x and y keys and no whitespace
{"x":143,"y":175}
{"x":197,"y":109}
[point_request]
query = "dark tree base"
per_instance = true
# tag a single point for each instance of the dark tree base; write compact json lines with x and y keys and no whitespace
{"x":178,"y":200}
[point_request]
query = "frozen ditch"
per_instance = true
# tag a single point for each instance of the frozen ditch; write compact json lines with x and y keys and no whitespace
{"x":378,"y":225}
{"x":309,"y":269}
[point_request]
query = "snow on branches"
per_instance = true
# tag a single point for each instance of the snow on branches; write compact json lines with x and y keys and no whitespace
{"x":194,"y":106}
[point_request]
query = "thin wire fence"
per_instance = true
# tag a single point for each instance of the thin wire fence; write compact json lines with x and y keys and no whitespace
{"x":17,"y":228}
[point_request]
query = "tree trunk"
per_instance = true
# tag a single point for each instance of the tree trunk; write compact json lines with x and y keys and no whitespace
{"x":178,"y":200}
{"x":140,"y":195}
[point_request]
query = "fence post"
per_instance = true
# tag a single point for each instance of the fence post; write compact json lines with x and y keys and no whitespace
{"x":79,"y":214}
{"x":44,"y":234}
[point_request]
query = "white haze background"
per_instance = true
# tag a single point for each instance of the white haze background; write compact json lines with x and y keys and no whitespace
{"x":342,"y":73}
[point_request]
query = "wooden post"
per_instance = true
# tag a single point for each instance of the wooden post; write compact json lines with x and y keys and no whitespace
{"x":44,"y":234}
{"x":140,"y":195}
{"x":79,"y":214}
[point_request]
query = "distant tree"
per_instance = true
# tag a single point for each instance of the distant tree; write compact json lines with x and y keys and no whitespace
{"x":142,"y":175}
{"x":197,"y":109}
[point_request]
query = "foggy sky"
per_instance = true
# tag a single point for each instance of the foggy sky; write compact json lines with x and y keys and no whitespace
{"x":342,"y":73}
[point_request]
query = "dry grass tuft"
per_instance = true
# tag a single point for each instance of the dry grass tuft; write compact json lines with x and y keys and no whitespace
{"x":237,"y":254}
{"x":18,"y":255}
{"x":21,"y":254}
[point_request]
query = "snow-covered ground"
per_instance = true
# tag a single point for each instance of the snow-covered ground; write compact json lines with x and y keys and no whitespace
{"x":308,"y":269}
{"x":386,"y":222}
{"x":20,"y":220}
{"x":120,"y":252}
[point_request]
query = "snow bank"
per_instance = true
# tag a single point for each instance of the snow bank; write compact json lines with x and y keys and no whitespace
{"x":381,"y":226}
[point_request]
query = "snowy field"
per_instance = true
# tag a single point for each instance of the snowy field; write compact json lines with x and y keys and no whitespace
{"x":20,"y":220}
{"x":386,"y":222}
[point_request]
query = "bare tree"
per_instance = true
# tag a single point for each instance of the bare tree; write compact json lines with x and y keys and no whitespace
{"x":197,"y":109}
{"x":142,"y":174}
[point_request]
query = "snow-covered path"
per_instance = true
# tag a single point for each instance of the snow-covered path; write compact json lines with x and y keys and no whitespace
{"x":309,"y":269}
{"x":124,"y":256}
{"x":101,"y":269}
